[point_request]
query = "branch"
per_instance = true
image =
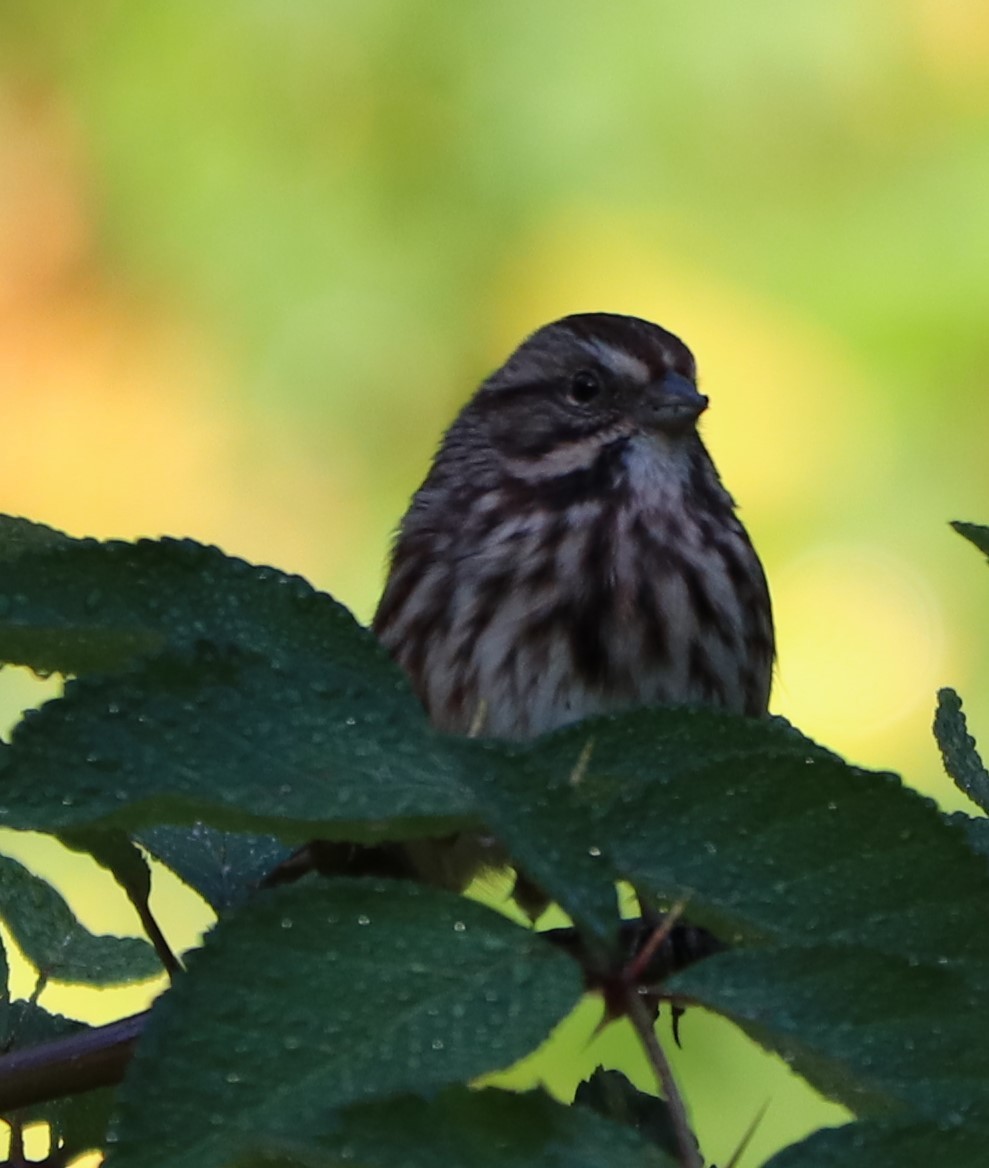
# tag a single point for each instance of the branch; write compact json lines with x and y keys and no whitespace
{"x":93,"y":1058}
{"x":642,"y":1021}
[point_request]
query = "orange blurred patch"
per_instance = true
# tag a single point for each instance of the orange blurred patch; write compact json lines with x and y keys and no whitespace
{"x":119,"y":417}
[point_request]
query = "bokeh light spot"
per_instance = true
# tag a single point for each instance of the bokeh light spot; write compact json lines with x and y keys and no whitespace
{"x":861,"y":642}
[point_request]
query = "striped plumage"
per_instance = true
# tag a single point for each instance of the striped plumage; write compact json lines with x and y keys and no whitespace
{"x":572,"y":550}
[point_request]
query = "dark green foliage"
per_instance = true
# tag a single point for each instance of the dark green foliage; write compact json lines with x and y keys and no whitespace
{"x":380,"y":989}
{"x":293,"y":751}
{"x":958,"y":750}
{"x":79,"y":606}
{"x":225,"y":868}
{"x":53,"y":940}
{"x":610,"y":1094}
{"x":858,"y":1024}
{"x":974,"y":533}
{"x":223,"y":714}
{"x":898,"y":1144}
{"x":768,"y":836}
{"x":467,"y":1129}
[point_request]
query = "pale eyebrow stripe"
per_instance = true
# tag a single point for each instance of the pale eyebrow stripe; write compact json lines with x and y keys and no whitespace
{"x":619,"y":361}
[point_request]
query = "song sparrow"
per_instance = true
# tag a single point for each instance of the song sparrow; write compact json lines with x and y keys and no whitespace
{"x":572,"y":550}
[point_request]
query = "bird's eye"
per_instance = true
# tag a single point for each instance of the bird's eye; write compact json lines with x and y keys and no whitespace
{"x":585,"y":385}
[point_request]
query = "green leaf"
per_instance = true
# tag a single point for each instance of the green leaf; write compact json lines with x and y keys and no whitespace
{"x":976,"y":831}
{"x":903,"y":1143}
{"x":225,"y":868}
{"x":325,"y":994}
{"x":612,"y":1095}
{"x":864,"y":1028}
{"x":227,"y":738}
{"x":764,"y":833}
{"x":958,"y":750}
{"x":466,"y":1129}
{"x":974,"y":533}
{"x":841,"y":881}
{"x":83,"y":606}
{"x":21,"y":536}
{"x":53,"y":940}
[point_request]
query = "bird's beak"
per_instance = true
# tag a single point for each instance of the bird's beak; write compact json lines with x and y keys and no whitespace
{"x":671,"y":405}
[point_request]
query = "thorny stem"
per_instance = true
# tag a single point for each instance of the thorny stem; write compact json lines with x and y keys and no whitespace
{"x":642,"y":1021}
{"x":640,"y":963}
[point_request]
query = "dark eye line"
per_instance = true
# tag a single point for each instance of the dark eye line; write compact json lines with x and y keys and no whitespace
{"x":495,"y":398}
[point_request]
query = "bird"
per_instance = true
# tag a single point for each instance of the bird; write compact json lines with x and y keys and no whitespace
{"x":572,"y":551}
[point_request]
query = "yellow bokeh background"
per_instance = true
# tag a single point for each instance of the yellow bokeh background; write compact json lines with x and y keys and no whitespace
{"x":253,"y":256}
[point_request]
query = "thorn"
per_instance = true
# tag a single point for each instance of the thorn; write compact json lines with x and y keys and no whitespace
{"x":750,"y":1131}
{"x":603,"y":1023}
{"x":676,"y":1013}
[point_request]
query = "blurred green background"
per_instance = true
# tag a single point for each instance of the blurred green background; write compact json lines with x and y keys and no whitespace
{"x":253,"y":255}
